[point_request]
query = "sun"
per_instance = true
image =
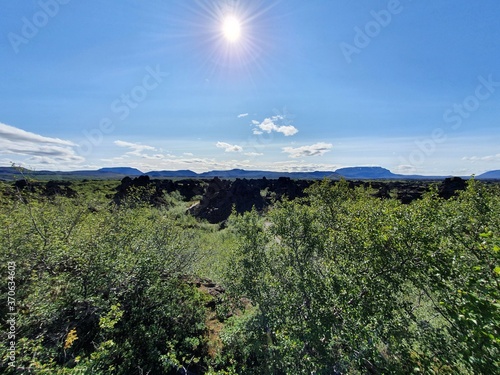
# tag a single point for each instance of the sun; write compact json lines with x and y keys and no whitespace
{"x":231,"y":28}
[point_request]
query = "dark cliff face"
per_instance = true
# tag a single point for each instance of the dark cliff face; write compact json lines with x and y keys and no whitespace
{"x":218,"y":197}
{"x":221,"y":196}
{"x":451,"y":186}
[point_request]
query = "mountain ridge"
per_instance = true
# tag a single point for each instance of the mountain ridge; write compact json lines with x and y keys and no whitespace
{"x":350,"y":173}
{"x":493,"y":175}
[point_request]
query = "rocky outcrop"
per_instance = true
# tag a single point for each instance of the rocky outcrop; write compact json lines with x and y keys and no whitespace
{"x":222,"y":195}
{"x":218,"y":197}
{"x":451,"y":186}
{"x":153,"y":191}
{"x":286,"y":187}
{"x":47,"y":189}
{"x":408,"y":192}
{"x":63,"y":188}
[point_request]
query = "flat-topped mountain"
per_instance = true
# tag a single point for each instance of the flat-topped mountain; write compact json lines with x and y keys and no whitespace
{"x":122,"y":170}
{"x":366,"y":173}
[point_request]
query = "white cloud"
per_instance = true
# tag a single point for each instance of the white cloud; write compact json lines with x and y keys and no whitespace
{"x":405,"y":169}
{"x":269,"y":125}
{"x":188,"y":154}
{"x":40,"y":149}
{"x":14,"y":134}
{"x":317,"y":149}
{"x":253,"y":154}
{"x":482,"y":158}
{"x":228,"y":147}
{"x":287,"y":130}
{"x":243,"y":115}
{"x":138,"y":149}
{"x":257,"y":132}
{"x":255,"y":122}
{"x":135,"y":146}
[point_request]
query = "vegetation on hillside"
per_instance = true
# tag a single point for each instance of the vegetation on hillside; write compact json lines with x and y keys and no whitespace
{"x":338,"y":282}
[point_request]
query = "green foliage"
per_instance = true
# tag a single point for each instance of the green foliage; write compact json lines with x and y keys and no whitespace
{"x":99,"y":290}
{"x":336,"y":283}
{"x":347,"y":283}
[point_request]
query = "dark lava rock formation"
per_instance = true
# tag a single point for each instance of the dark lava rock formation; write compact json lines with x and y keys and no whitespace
{"x":47,"y":189}
{"x":215,"y":198}
{"x":222,"y":195}
{"x":218,"y":197}
{"x":153,"y":191}
{"x":451,"y":186}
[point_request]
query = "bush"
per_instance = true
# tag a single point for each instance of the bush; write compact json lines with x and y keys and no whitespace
{"x":99,"y":291}
{"x":347,"y":283}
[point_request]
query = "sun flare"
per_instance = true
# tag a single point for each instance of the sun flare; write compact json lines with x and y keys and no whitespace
{"x":231,"y":28}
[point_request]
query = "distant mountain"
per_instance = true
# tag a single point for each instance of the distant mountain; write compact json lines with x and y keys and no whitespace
{"x":122,"y":170}
{"x":366,"y":173}
{"x":241,"y":173}
{"x":181,"y":173}
{"x":9,"y":173}
{"x":350,"y":173}
{"x":491,"y":175}
{"x":379,"y":173}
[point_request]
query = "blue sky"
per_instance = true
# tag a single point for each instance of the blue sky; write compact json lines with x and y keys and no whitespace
{"x":413,"y":86}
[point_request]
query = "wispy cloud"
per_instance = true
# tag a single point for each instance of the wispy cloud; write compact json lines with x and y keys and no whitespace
{"x":228,"y":147}
{"x":317,"y":149}
{"x":482,"y":158}
{"x":405,"y":169}
{"x":138,"y":149}
{"x":243,"y":115}
{"x":253,"y":154}
{"x":135,"y":146}
{"x":40,"y":149}
{"x":271,"y":124}
{"x":14,"y":134}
